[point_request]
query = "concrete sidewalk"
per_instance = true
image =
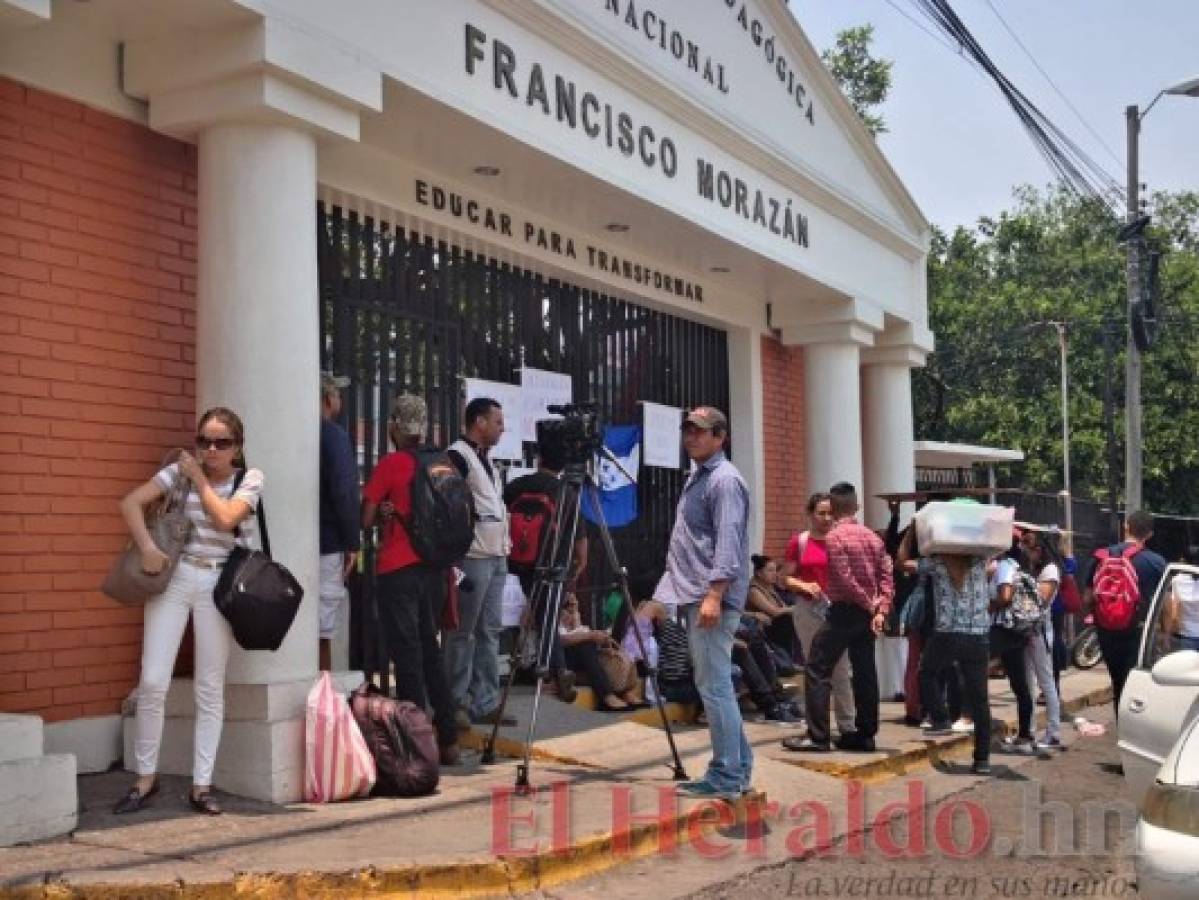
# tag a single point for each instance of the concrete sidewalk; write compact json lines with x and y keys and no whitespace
{"x":613,"y":802}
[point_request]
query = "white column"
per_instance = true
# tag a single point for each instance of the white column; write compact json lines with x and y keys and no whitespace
{"x":257,"y":343}
{"x":832,"y":417}
{"x":746,"y":419}
{"x":887,"y":429}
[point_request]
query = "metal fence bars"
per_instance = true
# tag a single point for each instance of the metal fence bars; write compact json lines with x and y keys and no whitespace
{"x":402,"y":312}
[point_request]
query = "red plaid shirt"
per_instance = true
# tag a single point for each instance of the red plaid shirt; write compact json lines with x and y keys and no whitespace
{"x":859,"y":569}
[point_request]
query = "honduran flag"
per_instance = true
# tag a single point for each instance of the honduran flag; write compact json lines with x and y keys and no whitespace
{"x":618,"y":495}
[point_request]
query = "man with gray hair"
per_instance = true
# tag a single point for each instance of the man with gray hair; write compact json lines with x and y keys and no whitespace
{"x":340,"y":535}
{"x":411,"y":593}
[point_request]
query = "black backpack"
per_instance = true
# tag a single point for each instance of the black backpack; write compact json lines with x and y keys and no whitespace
{"x":441,"y":520}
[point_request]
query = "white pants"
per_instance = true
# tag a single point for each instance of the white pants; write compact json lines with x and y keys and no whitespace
{"x":188,"y":594}
{"x":333,"y":592}
{"x":807,"y":623}
{"x":1038,"y":659}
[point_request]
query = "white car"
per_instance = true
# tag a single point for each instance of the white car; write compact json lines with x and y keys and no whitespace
{"x":1167,"y":860}
{"x":1158,"y":703}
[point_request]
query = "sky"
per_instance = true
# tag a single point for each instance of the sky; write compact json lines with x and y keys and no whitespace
{"x":955,"y":141}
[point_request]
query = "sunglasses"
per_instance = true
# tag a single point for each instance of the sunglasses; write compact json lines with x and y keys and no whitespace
{"x":204,"y":443}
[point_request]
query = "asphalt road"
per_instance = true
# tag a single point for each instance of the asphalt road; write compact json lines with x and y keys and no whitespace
{"x":1056,"y":827}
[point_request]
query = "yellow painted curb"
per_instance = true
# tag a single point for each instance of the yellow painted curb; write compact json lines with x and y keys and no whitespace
{"x":504,"y":876}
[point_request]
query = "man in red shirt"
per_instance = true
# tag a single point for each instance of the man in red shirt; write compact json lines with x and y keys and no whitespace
{"x":411,"y":594}
{"x":860,"y":588}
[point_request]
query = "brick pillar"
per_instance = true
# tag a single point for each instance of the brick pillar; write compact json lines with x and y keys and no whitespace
{"x":783,"y":417}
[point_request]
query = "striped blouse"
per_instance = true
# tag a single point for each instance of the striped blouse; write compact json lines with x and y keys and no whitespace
{"x":206,"y":540}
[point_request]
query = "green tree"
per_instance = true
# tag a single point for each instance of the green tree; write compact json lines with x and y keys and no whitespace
{"x":994,"y":378}
{"x":865,"y":80}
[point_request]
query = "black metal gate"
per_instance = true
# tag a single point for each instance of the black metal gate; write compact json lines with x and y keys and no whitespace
{"x":401,"y":312}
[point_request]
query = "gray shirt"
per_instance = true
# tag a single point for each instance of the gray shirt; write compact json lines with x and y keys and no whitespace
{"x":710,"y":540}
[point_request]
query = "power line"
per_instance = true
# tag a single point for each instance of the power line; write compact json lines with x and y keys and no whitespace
{"x":956,"y":51}
{"x":1052,"y":84}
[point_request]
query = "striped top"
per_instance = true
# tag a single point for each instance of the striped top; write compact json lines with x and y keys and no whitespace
{"x":206,"y":540}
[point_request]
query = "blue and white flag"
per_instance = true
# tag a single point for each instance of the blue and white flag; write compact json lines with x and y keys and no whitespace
{"x":618,"y":495}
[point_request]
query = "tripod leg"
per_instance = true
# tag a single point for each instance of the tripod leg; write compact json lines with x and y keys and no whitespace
{"x":622,"y":577}
{"x":488,"y":756}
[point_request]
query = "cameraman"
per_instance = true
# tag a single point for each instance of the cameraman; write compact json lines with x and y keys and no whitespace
{"x":539,"y":492}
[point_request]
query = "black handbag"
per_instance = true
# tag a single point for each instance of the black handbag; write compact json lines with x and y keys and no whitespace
{"x":258,"y":596}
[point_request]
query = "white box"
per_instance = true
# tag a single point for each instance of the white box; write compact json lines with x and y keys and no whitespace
{"x":969,"y":529}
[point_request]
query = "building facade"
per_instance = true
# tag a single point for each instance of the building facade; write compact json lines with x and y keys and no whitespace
{"x":204,"y":202}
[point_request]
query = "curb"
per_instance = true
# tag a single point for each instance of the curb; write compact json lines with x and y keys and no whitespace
{"x":505,"y":876}
{"x":903,"y":762}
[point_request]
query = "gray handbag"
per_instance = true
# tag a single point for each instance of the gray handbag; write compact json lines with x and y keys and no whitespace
{"x":169,"y":528}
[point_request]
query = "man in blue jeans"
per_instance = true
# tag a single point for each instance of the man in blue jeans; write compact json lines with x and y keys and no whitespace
{"x":707,"y":576}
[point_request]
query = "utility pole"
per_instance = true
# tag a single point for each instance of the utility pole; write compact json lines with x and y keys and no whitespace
{"x":1111,"y":333}
{"x":1069,"y":497}
{"x":1132,"y":365}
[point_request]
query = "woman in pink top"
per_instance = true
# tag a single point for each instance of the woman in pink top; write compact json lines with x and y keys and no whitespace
{"x":805,"y":571}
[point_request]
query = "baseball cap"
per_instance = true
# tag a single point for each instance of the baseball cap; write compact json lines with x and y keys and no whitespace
{"x":708,"y":418}
{"x":331,"y":382}
{"x":410,"y":414}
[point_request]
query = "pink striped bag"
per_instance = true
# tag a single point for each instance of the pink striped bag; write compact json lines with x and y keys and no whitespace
{"x":337,"y":763}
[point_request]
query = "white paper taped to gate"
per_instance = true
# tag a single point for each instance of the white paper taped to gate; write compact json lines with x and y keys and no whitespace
{"x":508,"y":396}
{"x":660,"y":438}
{"x":541,"y":389}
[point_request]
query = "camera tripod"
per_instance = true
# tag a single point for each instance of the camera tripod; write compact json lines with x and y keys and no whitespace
{"x":551,"y":574}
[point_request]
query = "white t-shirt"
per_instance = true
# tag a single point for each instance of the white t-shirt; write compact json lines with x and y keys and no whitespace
{"x":1005,"y":573}
{"x":206,"y":540}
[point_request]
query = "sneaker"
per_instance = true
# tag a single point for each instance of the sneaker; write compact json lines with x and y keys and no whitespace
{"x":981,"y":767}
{"x":449,"y":755}
{"x":805,"y":745}
{"x":1053,"y":743}
{"x":932,"y":730}
{"x":962,"y":726}
{"x":702,"y":789}
{"x":926,"y":723}
{"x":912,"y":722}
{"x":1020,"y":746}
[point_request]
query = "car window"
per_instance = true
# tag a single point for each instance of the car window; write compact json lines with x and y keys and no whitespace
{"x":1173,"y":622}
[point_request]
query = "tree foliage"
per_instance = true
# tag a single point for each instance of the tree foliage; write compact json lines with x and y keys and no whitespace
{"x":865,"y":80}
{"x":994,"y":378}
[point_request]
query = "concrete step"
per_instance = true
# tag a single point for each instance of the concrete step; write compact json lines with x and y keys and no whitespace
{"x":20,"y":737}
{"x":38,"y":798}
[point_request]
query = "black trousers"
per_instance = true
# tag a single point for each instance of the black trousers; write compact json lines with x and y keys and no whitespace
{"x":781,"y":632}
{"x":760,"y":689}
{"x":584,"y":658}
{"x":1119,"y":650}
{"x":847,"y":629}
{"x":1009,"y":647}
{"x":948,"y":657}
{"x":411,"y":603}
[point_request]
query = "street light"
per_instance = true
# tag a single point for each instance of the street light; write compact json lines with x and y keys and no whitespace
{"x":1136,"y":242}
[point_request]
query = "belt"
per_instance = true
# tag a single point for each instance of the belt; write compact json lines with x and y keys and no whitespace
{"x":202,"y":562}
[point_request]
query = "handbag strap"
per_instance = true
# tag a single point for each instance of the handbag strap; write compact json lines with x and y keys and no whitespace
{"x":260,"y":511}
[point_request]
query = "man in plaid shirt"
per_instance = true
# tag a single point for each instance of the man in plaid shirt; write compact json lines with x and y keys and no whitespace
{"x":860,"y":588}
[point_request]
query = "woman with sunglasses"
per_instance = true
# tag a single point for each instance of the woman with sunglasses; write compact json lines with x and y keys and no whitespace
{"x":218,"y":514}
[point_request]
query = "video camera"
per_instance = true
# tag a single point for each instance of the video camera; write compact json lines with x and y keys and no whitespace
{"x":575,"y":438}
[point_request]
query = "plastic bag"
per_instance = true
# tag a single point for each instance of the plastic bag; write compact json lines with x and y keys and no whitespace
{"x":337,"y":763}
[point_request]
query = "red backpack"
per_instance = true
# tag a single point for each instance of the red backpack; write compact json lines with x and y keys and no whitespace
{"x":1117,"y":591}
{"x":529,"y":520}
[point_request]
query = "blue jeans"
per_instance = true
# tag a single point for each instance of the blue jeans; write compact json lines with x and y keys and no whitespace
{"x":731,"y":768}
{"x":472,"y":650}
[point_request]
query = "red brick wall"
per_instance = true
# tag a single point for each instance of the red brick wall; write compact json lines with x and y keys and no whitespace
{"x":97,"y":315}
{"x":783,"y":433}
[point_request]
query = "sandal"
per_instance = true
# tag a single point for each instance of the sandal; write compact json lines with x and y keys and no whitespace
{"x":204,"y":803}
{"x":134,"y":800}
